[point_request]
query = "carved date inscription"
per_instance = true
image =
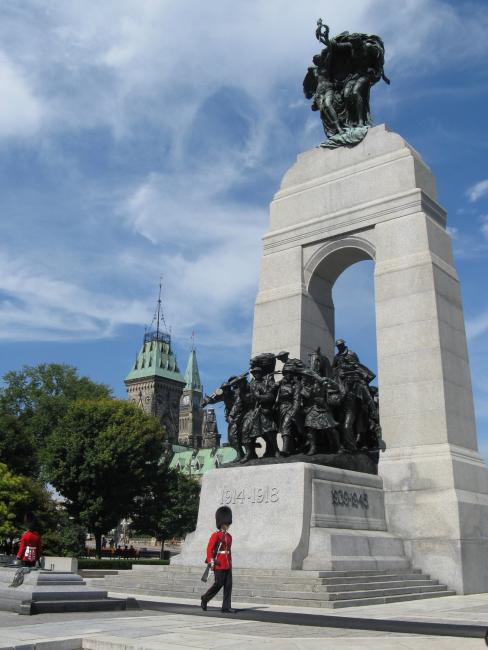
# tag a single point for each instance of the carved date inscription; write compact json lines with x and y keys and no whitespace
{"x":350,"y":499}
{"x":266,"y":494}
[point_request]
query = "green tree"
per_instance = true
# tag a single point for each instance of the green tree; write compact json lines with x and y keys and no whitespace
{"x":32,"y":402}
{"x":66,"y":538}
{"x":18,"y":446}
{"x":169,"y":508}
{"x":101,"y":458}
{"x":19,"y":495}
{"x":13,"y":497}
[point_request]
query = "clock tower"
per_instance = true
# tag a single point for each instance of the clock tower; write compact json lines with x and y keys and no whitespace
{"x":155,"y":383}
{"x":191,"y":412}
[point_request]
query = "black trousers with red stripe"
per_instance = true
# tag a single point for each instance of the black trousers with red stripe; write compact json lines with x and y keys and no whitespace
{"x":223,"y":578}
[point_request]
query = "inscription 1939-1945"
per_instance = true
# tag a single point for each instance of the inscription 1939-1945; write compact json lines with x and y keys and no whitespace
{"x":345,"y":498}
{"x":264,"y":494}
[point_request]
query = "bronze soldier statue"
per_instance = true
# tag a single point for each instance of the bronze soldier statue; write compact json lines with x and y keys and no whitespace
{"x":288,"y":403}
{"x":357,"y":404}
{"x":234,"y":394}
{"x":323,"y":409}
{"x":259,"y":421}
{"x":320,"y":425}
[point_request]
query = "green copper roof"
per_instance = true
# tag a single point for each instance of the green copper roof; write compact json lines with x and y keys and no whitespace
{"x":203,"y":460}
{"x":192,"y":376}
{"x":156,"y":358}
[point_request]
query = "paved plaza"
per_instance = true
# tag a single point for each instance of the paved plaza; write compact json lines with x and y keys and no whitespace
{"x":164,"y":623}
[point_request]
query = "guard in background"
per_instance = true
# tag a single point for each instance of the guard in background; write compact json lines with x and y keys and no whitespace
{"x":219,"y":558}
{"x":30,"y":548}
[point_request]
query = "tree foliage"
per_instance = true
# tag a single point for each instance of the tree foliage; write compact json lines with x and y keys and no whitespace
{"x":65,"y":538}
{"x":32,"y":402}
{"x":19,"y":495}
{"x":169,"y":508}
{"x":13,"y":496}
{"x":101,"y":458}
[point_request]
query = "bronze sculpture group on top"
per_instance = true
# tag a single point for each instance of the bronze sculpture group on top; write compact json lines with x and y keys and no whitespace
{"x":319,"y":409}
{"x":339,"y":83}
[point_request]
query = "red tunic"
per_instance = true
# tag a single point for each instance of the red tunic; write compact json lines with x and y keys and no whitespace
{"x":30,"y":547}
{"x":224,"y":555}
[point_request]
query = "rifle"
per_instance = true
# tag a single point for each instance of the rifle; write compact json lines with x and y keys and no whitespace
{"x":204,"y":577}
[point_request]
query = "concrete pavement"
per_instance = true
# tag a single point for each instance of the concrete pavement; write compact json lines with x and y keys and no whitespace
{"x":161,"y":630}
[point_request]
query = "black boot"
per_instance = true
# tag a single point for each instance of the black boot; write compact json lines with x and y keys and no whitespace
{"x":287,"y":446}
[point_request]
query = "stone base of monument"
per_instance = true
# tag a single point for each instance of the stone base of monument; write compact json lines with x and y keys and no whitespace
{"x":297,"y":516}
{"x":303,"y":534}
{"x":46,"y":592}
{"x":324,"y":589}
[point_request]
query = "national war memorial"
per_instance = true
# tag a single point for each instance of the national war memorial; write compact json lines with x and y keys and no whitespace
{"x":370,"y":489}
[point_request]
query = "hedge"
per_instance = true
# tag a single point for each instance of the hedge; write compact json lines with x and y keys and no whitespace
{"x":115,"y":564}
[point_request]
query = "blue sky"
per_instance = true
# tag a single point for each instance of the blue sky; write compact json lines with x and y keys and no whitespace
{"x":147,"y":138}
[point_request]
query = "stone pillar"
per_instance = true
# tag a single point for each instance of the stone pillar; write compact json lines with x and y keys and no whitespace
{"x":378,"y":201}
{"x":436,"y":483}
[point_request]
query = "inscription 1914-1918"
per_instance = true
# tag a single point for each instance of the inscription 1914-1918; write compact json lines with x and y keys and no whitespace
{"x":345,"y":498}
{"x":264,"y":494}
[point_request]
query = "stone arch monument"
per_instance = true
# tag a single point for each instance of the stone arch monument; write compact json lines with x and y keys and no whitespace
{"x":378,"y":201}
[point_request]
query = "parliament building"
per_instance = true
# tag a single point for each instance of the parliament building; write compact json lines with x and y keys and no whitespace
{"x":157,"y":386}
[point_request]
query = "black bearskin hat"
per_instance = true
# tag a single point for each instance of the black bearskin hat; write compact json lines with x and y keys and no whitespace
{"x":223,"y":515}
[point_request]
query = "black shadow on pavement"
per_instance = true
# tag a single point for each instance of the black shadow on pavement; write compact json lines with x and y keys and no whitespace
{"x":322,"y":620}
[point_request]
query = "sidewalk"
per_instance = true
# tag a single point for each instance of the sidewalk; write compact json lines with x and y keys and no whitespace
{"x":162,"y":630}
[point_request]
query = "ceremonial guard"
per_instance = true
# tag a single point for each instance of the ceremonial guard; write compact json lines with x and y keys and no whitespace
{"x":219,"y":558}
{"x":30,"y":548}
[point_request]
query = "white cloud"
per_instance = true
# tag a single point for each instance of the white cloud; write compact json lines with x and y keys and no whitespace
{"x":209,"y":249}
{"x":20,"y":111}
{"x":477,"y":190}
{"x":123,"y":67}
{"x":107,"y":64}
{"x":35,"y":306}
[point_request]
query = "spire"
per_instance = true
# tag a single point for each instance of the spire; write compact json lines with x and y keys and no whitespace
{"x":192,"y":376}
{"x":161,"y":332}
{"x":156,"y":357}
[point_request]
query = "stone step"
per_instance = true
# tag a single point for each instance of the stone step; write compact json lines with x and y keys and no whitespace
{"x":287,"y":587}
{"x":65,"y":594}
{"x":335,"y":595}
{"x":301,"y":601}
{"x":198,"y":570}
{"x":97,"y":573}
{"x":242,"y":590}
{"x":390,"y":599}
{"x":80,"y":605}
{"x":316,"y":583}
{"x":63,"y":583}
{"x":183,"y":578}
{"x":189,"y":585}
{"x":292,"y":576}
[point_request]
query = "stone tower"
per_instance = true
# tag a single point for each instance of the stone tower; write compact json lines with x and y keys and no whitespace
{"x":191,"y":412}
{"x":210,"y":431}
{"x":155,"y":382}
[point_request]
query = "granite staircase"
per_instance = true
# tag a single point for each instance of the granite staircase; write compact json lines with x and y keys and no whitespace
{"x":45,"y":592}
{"x":327,"y":589}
